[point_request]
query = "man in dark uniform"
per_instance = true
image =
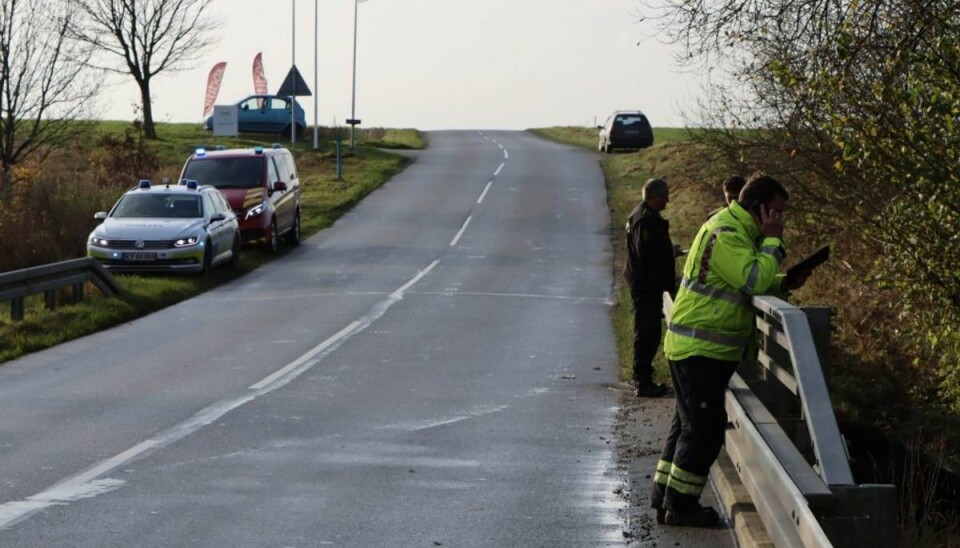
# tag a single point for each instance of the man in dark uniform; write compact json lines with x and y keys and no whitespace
{"x":731,"y":191}
{"x":649,"y":272}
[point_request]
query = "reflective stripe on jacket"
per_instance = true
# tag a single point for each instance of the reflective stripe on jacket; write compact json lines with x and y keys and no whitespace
{"x":713,"y":314}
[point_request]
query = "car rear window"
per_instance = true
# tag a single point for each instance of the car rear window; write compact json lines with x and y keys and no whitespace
{"x":226,"y":172}
{"x":175,"y":206}
{"x":629,"y":120}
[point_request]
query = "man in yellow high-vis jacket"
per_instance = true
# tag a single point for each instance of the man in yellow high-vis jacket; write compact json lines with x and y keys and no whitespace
{"x":735,"y":256}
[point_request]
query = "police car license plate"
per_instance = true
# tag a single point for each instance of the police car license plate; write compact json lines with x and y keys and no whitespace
{"x":139,"y":256}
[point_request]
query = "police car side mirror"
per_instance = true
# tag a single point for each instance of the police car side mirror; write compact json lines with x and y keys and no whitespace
{"x":100,"y":215}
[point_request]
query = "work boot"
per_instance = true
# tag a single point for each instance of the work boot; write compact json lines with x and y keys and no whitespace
{"x":650,"y":389}
{"x":700,"y":516}
{"x":661,"y":512}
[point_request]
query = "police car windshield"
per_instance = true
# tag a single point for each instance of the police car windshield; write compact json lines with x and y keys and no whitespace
{"x":226,"y":172}
{"x":150,"y":205}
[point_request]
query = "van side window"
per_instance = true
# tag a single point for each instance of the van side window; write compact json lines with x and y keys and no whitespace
{"x":291,"y":165}
{"x":272,"y":175}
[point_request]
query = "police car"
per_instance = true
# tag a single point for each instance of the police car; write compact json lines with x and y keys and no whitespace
{"x":173,"y":228}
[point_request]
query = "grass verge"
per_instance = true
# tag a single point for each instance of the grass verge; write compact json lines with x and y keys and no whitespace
{"x":324,"y":199}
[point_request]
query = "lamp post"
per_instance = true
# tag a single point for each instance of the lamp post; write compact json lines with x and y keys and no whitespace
{"x":293,"y":59}
{"x":316,"y":89}
{"x":353,"y":101}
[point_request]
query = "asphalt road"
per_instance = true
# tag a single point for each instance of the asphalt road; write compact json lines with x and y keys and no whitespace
{"x":436,"y":369}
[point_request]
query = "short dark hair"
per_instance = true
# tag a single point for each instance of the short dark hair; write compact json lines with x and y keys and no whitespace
{"x":761,"y":188}
{"x":654,"y":187}
{"x":733,"y":185}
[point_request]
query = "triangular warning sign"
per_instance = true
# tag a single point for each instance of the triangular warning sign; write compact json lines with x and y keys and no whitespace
{"x":294,"y":85}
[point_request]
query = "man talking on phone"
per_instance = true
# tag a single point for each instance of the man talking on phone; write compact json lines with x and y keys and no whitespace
{"x":735,"y":256}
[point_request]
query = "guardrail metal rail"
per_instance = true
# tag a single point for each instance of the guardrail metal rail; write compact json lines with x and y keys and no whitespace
{"x":47,"y":279}
{"x":783,"y":438}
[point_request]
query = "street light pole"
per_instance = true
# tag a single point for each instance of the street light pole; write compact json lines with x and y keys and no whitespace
{"x":316,"y":89}
{"x":353,"y":101}
{"x":293,"y":56}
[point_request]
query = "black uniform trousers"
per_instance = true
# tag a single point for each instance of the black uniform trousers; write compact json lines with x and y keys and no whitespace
{"x":699,"y":423}
{"x":647,"y":334}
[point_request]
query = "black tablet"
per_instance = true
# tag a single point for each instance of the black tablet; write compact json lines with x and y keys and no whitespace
{"x":810,"y":262}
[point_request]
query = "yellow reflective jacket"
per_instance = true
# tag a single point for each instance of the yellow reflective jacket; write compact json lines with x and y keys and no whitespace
{"x":713,"y":314}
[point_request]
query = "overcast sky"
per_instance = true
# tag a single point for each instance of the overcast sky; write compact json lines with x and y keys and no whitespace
{"x":438,"y":64}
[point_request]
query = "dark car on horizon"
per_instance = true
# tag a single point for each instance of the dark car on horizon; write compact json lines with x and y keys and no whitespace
{"x":625,"y":129}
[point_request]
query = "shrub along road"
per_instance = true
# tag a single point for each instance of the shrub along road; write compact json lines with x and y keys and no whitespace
{"x":437,"y":368}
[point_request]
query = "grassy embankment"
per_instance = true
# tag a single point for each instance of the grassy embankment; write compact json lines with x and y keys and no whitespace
{"x":863,"y":389}
{"x":324,"y":199}
{"x":625,"y":174}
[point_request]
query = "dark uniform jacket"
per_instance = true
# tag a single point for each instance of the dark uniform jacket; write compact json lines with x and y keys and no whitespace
{"x":650,"y":268}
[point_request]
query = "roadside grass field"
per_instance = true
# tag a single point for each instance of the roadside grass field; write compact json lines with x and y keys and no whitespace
{"x":625,"y":173}
{"x":323,"y":200}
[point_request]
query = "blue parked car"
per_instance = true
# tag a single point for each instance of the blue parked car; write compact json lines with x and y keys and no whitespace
{"x":265,"y":114}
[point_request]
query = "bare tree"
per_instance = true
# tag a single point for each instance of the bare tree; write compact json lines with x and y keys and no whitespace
{"x":144,"y":38}
{"x":44,"y":90}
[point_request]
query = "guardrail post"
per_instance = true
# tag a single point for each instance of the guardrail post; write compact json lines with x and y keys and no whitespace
{"x":16,"y":309}
{"x":50,"y":299}
{"x":819,"y":318}
{"x":78,"y":292}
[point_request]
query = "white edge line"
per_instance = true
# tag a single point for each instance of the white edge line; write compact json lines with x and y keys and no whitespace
{"x":85,"y":484}
{"x":311,"y":353}
{"x":462,"y":230}
{"x":399,"y":293}
{"x":484,"y":193}
{"x":499,"y":169}
{"x":506,"y":154}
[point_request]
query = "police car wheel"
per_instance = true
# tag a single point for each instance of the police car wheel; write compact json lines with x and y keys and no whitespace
{"x":207,"y":258}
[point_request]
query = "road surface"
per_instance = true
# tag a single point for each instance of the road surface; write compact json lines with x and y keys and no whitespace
{"x":437,"y":369}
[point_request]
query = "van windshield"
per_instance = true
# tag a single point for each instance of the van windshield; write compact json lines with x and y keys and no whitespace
{"x":226,"y":172}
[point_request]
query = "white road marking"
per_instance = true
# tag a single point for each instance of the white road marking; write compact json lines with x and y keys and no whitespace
{"x":500,"y":145}
{"x":506,"y":155}
{"x":462,"y":230}
{"x":499,"y":169}
{"x":588,"y":300}
{"x":304,"y":358}
{"x":424,"y":425}
{"x":484,"y":193}
{"x":89,"y":484}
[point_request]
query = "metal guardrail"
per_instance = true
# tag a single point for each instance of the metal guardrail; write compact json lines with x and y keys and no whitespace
{"x":783,"y":438}
{"x":47,"y":279}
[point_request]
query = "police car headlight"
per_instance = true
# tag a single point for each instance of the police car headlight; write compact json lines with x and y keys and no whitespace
{"x":102,"y":242}
{"x":253,"y":212}
{"x":186,"y":242}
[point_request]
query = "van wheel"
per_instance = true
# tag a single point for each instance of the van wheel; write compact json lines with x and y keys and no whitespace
{"x":273,"y":240}
{"x":235,"y":252}
{"x":294,"y":235}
